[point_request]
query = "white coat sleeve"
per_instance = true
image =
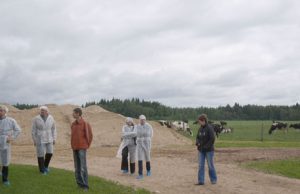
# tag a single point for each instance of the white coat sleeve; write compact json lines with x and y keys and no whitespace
{"x":16,"y":130}
{"x":34,"y":131}
{"x":54,"y":131}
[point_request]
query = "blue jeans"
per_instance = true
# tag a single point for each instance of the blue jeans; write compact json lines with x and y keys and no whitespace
{"x":211,"y":169}
{"x":81,"y":173}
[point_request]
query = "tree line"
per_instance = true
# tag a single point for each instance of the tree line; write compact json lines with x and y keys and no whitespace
{"x":156,"y":111}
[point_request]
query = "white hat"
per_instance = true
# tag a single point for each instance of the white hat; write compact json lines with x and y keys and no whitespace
{"x":44,"y":108}
{"x":3,"y":107}
{"x":129,"y":119}
{"x":142,"y":117}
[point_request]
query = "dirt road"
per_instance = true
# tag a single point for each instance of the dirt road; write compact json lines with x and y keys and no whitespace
{"x":175,"y":170}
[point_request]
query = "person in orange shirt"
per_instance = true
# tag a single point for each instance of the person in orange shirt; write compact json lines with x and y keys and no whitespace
{"x":81,"y":139}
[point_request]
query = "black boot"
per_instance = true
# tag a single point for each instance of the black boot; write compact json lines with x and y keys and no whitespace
{"x":148,"y":167}
{"x":124,"y":164}
{"x":140,"y":167}
{"x":41,"y":162}
{"x":5,"y":174}
{"x":132,"y":168}
{"x":47,"y":160}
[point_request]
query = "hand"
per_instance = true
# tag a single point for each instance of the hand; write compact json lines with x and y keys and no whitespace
{"x":34,"y":144}
{"x":53,"y":142}
{"x":9,"y":139}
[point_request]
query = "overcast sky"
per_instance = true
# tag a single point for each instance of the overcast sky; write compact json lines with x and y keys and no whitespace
{"x":180,"y":53}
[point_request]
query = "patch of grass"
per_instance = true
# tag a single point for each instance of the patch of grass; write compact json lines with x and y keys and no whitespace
{"x":289,"y":168}
{"x":258,"y":144}
{"x":254,"y":134}
{"x":26,"y":179}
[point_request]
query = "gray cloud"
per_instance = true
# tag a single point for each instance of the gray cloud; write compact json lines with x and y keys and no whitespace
{"x":190,"y":53}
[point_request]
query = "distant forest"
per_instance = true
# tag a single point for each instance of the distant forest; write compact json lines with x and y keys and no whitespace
{"x":156,"y":111}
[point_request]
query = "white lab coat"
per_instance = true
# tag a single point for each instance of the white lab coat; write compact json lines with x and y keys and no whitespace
{"x":143,"y":141}
{"x":128,"y":134}
{"x":8,"y":128}
{"x":43,"y":132}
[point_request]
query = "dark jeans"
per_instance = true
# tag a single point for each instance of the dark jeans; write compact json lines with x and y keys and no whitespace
{"x":81,"y":173}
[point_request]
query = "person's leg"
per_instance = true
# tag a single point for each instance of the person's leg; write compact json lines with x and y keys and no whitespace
{"x":140,"y":163}
{"x":201,"y":171}
{"x":48,"y":156}
{"x":148,"y":167}
{"x":40,"y":151}
{"x":76,"y":166}
{"x":83,"y":169}
{"x":132,"y":152}
{"x":124,"y":164}
{"x":5,"y":175}
{"x":211,"y":167}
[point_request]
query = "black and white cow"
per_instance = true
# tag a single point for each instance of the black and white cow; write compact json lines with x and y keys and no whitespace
{"x":295,"y":126}
{"x":278,"y":125}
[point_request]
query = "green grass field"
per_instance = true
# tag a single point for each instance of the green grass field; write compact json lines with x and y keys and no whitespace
{"x":289,"y":168}
{"x":26,"y":180}
{"x":255,"y":134}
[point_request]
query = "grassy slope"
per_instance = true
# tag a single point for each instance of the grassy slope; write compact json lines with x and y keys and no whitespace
{"x":26,"y":179}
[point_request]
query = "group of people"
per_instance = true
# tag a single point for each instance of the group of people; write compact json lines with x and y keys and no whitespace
{"x":135,"y":145}
{"x":44,"y":136}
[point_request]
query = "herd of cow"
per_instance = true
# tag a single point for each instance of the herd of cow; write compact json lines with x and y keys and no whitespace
{"x":222,"y":128}
{"x":282,"y":126}
{"x":184,"y":126}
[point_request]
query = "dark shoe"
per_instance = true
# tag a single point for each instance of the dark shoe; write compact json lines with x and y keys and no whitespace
{"x":198,"y":184}
{"x":213,"y":183}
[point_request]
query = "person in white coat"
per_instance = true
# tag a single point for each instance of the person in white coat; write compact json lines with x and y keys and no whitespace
{"x":144,"y":135}
{"x":44,"y":137}
{"x":9,"y":131}
{"x":128,"y":146}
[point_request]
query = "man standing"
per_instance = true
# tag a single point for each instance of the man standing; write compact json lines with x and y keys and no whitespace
{"x":144,"y":135}
{"x":81,"y":139}
{"x":9,"y":131}
{"x":44,"y":137}
{"x":205,"y":143}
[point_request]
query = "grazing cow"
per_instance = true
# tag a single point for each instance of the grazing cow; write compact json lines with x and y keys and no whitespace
{"x":217,"y":128}
{"x":278,"y":125}
{"x":223,"y":123}
{"x":182,"y":126}
{"x":295,"y":126}
{"x":227,"y":130}
{"x":165,"y":123}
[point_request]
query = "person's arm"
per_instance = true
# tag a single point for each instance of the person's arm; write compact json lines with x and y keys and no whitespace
{"x":197,"y":138}
{"x":34,"y":132}
{"x":16,"y":130}
{"x":90,"y":134}
{"x":128,"y":134}
{"x":54,"y":132}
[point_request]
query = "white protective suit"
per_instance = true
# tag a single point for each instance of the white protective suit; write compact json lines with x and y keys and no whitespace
{"x":8,"y":128}
{"x":143,"y":141}
{"x":128,"y":135}
{"x":43,"y":134}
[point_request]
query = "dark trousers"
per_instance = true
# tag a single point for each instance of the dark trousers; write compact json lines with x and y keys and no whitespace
{"x":124,"y":163}
{"x":4,"y":173}
{"x":148,"y":167}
